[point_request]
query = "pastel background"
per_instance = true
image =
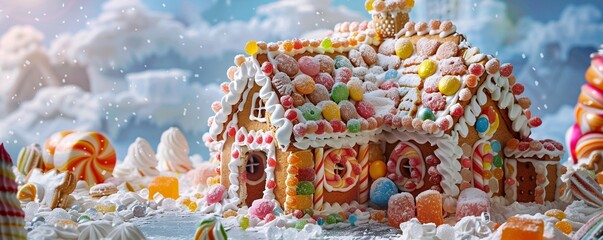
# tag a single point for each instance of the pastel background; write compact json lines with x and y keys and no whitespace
{"x":133,"y":68}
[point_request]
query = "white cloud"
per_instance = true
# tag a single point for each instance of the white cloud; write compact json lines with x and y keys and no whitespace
{"x":17,"y":43}
{"x":126,"y":31}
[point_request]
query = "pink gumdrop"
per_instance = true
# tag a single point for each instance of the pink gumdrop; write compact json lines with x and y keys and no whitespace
{"x":572,"y":137}
{"x":343,"y":75}
{"x":215,"y":193}
{"x":400,"y":208}
{"x":432,"y":171}
{"x":472,"y":202}
{"x":387,"y":85}
{"x":414,"y":162}
{"x":415,"y":174}
{"x":261,"y":207}
{"x":306,"y":174}
{"x":488,"y":158}
{"x":309,"y":65}
{"x":391,"y":166}
{"x":365,"y":109}
{"x":325,"y":79}
{"x":466,"y":162}
{"x":476,"y":69}
{"x":432,"y":160}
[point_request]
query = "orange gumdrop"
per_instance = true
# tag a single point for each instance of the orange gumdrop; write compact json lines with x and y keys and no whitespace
{"x":167,"y":186}
{"x":522,"y":228}
{"x":291,"y":182}
{"x":429,"y":207}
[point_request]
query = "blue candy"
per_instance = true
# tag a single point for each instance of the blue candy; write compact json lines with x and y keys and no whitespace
{"x":352,"y":219}
{"x":381,"y":190}
{"x":391,"y":74}
{"x":482,"y":124}
{"x":320,"y":221}
{"x":495,"y":146}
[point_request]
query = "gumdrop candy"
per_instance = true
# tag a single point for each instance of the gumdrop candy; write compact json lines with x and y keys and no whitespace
{"x":343,"y":75}
{"x":472,"y":202}
{"x":166,"y":186}
{"x":340,"y":92}
{"x":215,"y":193}
{"x":244,"y":223}
{"x":556,"y":213}
{"x":365,"y":109}
{"x":564,"y":227}
{"x":324,"y":79}
{"x":381,"y":190}
{"x":400,"y":208}
{"x":429,"y":207}
{"x":355,"y":89}
{"x":522,"y":228}
{"x":304,"y":84}
{"x":261,"y":207}
{"x":310,"y":112}
{"x":353,"y":126}
{"x":327,"y":65}
{"x":287,"y":64}
{"x":377,"y":215}
{"x":330,"y":111}
{"x":341,"y":61}
{"x":305,"y":188}
{"x":309,"y":65}
{"x":306,"y":174}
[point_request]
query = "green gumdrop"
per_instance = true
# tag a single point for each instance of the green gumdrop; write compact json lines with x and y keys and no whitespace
{"x":340,"y":92}
{"x":305,"y":188}
{"x":338,"y":217}
{"x":426,"y":113}
{"x":331,"y":219}
{"x":341,"y":61}
{"x":498,"y":161}
{"x":310,"y":112}
{"x":326,"y":43}
{"x":244,"y":223}
{"x":299,"y":225}
{"x":353,"y":125}
{"x":309,"y":211}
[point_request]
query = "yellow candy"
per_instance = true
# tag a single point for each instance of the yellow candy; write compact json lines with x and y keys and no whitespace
{"x":487,"y":148}
{"x":449,"y":85}
{"x":410,"y":3}
{"x":377,"y":169}
{"x":556,"y":213}
{"x":105,"y":208}
{"x":404,"y":48}
{"x":427,"y":68}
{"x":369,"y":5}
{"x":251,"y":47}
{"x":330,"y":111}
{"x":192,"y":206}
{"x":186,"y":201}
{"x":356,"y":92}
{"x":303,"y":202}
{"x":564,"y":227}
{"x":27,"y":192}
{"x":487,"y":166}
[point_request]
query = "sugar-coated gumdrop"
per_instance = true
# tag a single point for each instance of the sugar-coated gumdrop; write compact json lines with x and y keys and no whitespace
{"x":365,"y":109}
{"x":305,"y":188}
{"x":300,"y":224}
{"x":377,"y":215}
{"x":287,"y":101}
{"x":261,"y":207}
{"x":167,"y":186}
{"x":377,"y":169}
{"x":331,"y":219}
{"x":355,"y":89}
{"x":324,"y":79}
{"x":326,"y":43}
{"x":471,"y":81}
{"x":564,"y":227}
{"x":506,"y":70}
{"x":476,"y":69}
{"x":522,"y":228}
{"x":472,"y":202}
{"x":449,"y":85}
{"x":429,"y":207}
{"x":556,"y":213}
{"x":353,"y":126}
{"x":337,"y":125}
{"x":341,"y":61}
{"x":309,"y":65}
{"x":343,"y":75}
{"x":304,"y":84}
{"x":215,"y":193}
{"x":404,"y":48}
{"x":267,"y":68}
{"x":339,"y":92}
{"x":391,"y":74}
{"x":517,"y":88}
{"x":381,"y":190}
{"x":251,"y":47}
{"x":426,"y":113}
{"x":330,"y":111}
{"x":347,"y":110}
{"x":310,"y":112}
{"x":291,"y":114}
{"x":427,"y":68}
{"x":400,"y":208}
{"x":482,"y":124}
{"x":327,"y":65}
{"x":287,"y":64}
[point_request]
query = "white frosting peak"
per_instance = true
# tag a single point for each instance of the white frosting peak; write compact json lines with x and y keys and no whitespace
{"x":172,"y":152}
{"x":142,"y":157}
{"x":93,"y":230}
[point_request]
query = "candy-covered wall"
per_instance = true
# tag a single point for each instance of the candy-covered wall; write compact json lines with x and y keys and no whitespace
{"x":133,"y":68}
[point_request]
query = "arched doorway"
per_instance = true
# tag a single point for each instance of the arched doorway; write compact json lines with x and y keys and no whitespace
{"x":255,"y":165}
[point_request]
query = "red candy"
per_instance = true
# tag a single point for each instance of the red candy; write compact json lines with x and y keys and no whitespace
{"x":298,"y":214}
{"x":309,"y":65}
{"x":232,"y":132}
{"x":432,"y":160}
{"x":365,"y":109}
{"x":343,"y":75}
{"x":299,"y":130}
{"x":261,"y":207}
{"x":535,"y":122}
{"x":271,"y":184}
{"x":320,"y":129}
{"x":387,"y":85}
{"x":287,"y":101}
{"x":325,"y":79}
{"x":466,"y":162}
{"x":476,"y":69}
{"x":291,"y":114}
{"x":267,"y":68}
{"x":297,"y":44}
{"x":306,"y":174}
{"x":517,"y":88}
{"x":268,"y":138}
{"x":338,"y":126}
{"x":271,"y":162}
{"x":215,"y":193}
{"x":456,"y":110}
{"x":434,"y":101}
{"x":506,"y":70}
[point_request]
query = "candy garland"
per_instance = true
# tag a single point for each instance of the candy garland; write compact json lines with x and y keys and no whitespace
{"x":291,"y":182}
{"x":364,"y":176}
{"x":319,"y":179}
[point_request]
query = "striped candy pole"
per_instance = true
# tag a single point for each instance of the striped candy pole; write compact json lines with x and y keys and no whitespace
{"x":319,"y":179}
{"x":478,"y":168}
{"x":363,"y":157}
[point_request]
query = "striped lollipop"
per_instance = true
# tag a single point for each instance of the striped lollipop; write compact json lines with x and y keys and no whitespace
{"x":211,"y":229}
{"x":12,"y":225}
{"x":89,"y":155}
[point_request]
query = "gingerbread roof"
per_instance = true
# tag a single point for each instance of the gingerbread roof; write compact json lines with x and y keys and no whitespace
{"x":534,"y":149}
{"x":354,"y":85}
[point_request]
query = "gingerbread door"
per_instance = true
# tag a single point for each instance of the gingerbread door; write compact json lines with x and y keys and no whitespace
{"x":526,"y":182}
{"x":255,"y":163}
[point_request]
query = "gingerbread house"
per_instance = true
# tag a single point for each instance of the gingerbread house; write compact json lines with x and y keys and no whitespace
{"x":312,"y":123}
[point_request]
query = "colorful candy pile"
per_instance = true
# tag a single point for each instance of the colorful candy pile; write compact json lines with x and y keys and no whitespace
{"x":586,"y":136}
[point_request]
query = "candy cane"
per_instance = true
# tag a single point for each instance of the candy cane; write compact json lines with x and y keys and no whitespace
{"x":363,"y":157}
{"x":319,"y":179}
{"x":478,"y":168}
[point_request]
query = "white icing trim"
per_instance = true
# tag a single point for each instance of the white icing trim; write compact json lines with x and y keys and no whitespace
{"x":260,"y":108}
